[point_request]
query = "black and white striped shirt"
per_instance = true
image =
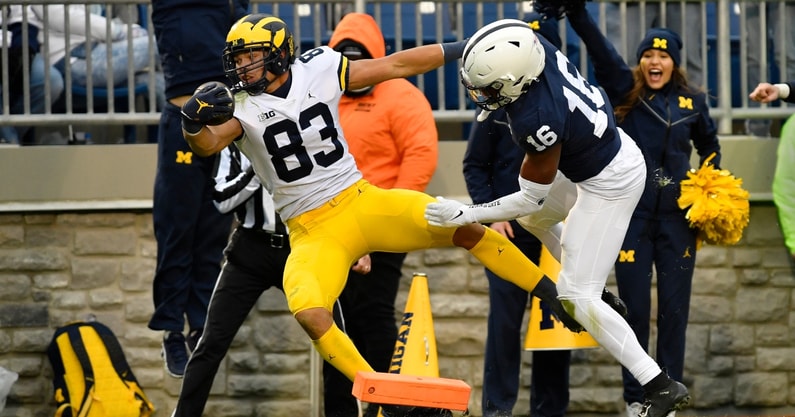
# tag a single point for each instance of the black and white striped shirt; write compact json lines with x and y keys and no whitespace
{"x":238,"y":189}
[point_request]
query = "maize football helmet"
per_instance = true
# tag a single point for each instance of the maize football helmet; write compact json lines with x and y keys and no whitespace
{"x":500,"y":61}
{"x":258,"y":32}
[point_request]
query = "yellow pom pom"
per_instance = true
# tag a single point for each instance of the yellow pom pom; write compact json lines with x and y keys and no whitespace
{"x":717,"y":204}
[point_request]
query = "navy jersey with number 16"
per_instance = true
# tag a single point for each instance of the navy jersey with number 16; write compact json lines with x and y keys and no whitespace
{"x":563,"y":107}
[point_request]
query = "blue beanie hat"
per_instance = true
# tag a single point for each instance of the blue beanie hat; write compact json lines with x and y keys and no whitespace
{"x":663,"y":40}
{"x":548,"y":28}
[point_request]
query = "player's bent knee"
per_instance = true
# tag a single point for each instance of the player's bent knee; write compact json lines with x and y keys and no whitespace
{"x":468,"y":236}
{"x":315,"y":321}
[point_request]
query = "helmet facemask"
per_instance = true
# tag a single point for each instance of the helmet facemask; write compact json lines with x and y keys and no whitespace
{"x":489,"y":97}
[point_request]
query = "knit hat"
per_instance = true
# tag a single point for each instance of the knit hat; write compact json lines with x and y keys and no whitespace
{"x":663,"y":40}
{"x":548,"y":28}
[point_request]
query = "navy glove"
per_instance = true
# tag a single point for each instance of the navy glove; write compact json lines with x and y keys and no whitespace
{"x":556,"y":9}
{"x":211,"y":104}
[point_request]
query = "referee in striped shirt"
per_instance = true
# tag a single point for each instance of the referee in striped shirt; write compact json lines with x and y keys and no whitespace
{"x":255,"y":258}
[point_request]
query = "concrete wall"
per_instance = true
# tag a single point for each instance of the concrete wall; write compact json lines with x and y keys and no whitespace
{"x":60,"y":262}
{"x":53,"y":178}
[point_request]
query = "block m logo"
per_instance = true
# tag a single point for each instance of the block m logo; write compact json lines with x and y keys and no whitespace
{"x":184,"y":157}
{"x":626,"y":256}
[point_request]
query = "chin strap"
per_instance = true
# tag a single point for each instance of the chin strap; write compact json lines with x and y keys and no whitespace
{"x":483,"y":115}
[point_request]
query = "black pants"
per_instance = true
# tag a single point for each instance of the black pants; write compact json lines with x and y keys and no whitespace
{"x":252,"y":266}
{"x":191,"y":233}
{"x":669,"y":246}
{"x":368,"y":317}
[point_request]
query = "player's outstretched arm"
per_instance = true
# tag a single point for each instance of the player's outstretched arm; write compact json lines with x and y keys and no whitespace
{"x":402,"y":64}
{"x":537,"y":174}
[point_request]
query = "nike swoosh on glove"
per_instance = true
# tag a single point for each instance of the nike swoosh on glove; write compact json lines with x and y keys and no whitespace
{"x":447,"y":213}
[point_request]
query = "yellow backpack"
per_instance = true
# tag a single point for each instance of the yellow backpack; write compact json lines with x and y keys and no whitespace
{"x":91,"y":376}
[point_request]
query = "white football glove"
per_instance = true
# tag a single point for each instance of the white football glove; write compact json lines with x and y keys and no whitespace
{"x":448,"y":213}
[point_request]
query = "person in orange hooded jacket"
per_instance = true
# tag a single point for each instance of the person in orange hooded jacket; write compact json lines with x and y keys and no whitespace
{"x":392,"y":135}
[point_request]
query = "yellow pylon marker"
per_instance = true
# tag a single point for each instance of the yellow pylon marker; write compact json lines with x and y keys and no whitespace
{"x":544,"y":331}
{"x":415,"y":348}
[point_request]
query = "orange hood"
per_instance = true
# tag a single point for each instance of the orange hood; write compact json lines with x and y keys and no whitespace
{"x":360,"y":27}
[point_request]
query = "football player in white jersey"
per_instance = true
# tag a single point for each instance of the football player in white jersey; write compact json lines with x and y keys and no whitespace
{"x":286,"y":122}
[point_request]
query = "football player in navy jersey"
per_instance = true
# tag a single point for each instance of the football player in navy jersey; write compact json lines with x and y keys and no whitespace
{"x":568,"y":132}
{"x":285,"y":119}
{"x":657,"y":104}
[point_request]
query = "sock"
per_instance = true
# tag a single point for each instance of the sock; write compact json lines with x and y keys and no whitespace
{"x":502,"y":257}
{"x":336,"y":348}
{"x":657,"y":383}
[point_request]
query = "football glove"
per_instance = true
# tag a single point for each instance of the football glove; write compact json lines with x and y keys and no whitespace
{"x":557,"y":9}
{"x":211,"y":104}
{"x":448,"y":213}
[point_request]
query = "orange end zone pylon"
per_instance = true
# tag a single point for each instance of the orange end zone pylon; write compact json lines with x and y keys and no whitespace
{"x":419,"y":391}
{"x":413,"y":377}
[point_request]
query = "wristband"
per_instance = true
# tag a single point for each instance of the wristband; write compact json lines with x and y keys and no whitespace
{"x":191,"y":127}
{"x":453,"y":50}
{"x":783,"y":90}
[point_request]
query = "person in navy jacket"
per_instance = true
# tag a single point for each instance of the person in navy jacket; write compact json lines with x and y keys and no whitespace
{"x":667,"y":118}
{"x":190,"y":231}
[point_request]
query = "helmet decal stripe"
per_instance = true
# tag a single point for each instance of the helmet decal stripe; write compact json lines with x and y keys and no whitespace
{"x":472,"y":42}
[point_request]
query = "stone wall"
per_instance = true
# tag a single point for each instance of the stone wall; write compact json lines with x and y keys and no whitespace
{"x":55,"y":268}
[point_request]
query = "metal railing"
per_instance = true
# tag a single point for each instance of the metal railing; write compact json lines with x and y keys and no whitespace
{"x":722,"y":35}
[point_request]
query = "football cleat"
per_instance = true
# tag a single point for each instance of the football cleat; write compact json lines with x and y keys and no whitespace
{"x":671,"y":398}
{"x":615,"y":303}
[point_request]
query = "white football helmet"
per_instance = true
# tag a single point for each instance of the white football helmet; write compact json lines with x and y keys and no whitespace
{"x":500,"y":61}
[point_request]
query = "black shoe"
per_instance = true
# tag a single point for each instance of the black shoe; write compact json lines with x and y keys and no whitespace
{"x":393,"y":410}
{"x":429,"y":412}
{"x":671,"y":398}
{"x":193,"y":339}
{"x":615,"y":303}
{"x":175,"y":354}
